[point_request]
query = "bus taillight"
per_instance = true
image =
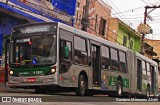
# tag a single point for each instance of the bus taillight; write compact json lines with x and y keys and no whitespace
{"x":30,"y":43}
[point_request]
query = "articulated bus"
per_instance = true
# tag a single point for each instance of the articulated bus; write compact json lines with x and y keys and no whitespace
{"x":51,"y":56}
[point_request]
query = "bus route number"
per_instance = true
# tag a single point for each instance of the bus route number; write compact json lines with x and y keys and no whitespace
{"x":38,"y":72}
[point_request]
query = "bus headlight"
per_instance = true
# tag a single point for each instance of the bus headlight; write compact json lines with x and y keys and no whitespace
{"x":11,"y":72}
{"x":53,"y":70}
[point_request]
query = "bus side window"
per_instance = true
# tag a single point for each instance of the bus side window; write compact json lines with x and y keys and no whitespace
{"x":114,"y":59}
{"x":89,"y":53}
{"x":144,"y":67}
{"x":106,"y":62}
{"x":65,"y":49}
{"x":80,"y":50}
{"x":148,"y":69}
{"x":122,"y":58}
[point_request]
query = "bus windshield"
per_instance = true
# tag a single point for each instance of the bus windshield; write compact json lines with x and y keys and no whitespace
{"x":33,"y":50}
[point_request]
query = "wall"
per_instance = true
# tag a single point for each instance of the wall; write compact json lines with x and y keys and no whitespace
{"x":96,"y":8}
{"x":130,"y":37}
{"x":68,"y":6}
{"x":103,"y":11}
{"x":117,"y":31}
{"x":155,"y":44}
{"x":112,"y":32}
{"x":6,"y":24}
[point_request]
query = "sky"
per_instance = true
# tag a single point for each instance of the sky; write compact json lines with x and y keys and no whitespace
{"x":132,"y":13}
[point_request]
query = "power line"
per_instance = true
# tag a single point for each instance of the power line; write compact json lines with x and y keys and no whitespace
{"x":130,"y":10}
{"x":150,"y":2}
{"x":155,"y":1}
{"x":144,"y":1}
{"x":116,"y":11}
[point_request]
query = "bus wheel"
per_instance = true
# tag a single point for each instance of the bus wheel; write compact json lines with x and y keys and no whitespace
{"x":82,"y":84}
{"x":119,"y":89}
{"x":148,"y":92}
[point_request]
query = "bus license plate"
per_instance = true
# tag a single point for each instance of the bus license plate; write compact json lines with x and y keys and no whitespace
{"x":31,"y":79}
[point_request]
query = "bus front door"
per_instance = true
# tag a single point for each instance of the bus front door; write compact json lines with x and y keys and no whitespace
{"x":96,"y":65}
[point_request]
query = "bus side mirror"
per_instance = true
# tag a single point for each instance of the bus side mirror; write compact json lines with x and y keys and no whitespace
{"x":66,"y":52}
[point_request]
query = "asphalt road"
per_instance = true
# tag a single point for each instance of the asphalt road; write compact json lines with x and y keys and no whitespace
{"x":27,"y":97}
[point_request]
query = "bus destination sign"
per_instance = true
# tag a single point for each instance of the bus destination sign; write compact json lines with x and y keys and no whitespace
{"x":33,"y":29}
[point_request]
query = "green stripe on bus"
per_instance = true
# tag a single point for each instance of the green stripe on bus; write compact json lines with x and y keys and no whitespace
{"x":31,"y":71}
{"x":113,"y":80}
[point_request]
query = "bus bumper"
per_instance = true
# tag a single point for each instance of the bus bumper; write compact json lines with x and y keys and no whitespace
{"x":32,"y":81}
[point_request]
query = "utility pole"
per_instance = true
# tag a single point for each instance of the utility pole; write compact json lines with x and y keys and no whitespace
{"x":143,"y":35}
{"x":142,"y":30}
{"x":85,"y":19}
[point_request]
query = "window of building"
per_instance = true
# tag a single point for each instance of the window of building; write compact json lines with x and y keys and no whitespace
{"x":131,"y":44}
{"x":78,"y":4}
{"x":114,"y":59}
{"x":106,"y":62}
{"x":122,"y":59}
{"x":77,"y":17}
{"x":80,"y":51}
{"x":102,"y":27}
{"x":83,"y":14}
{"x":124,"y":41}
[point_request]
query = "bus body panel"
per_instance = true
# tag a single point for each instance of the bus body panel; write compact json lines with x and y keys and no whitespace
{"x":38,"y":81}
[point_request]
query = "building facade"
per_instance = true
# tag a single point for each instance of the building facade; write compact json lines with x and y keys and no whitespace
{"x":99,"y":14}
{"x":122,"y":34}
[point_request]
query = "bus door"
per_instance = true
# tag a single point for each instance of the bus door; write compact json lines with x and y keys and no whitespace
{"x":139,"y":75}
{"x":65,"y":51}
{"x":95,"y":51}
{"x":153,"y":78}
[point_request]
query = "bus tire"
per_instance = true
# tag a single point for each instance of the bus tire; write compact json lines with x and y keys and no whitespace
{"x":82,"y":84}
{"x":148,"y":92}
{"x":119,"y":89}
